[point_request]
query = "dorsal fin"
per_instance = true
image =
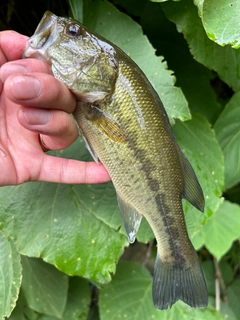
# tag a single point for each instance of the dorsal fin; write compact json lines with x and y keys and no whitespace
{"x":192,"y":190}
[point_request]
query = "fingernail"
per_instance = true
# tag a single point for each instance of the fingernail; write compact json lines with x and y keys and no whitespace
{"x":37,"y":116}
{"x":9,"y":69}
{"x":25,"y":87}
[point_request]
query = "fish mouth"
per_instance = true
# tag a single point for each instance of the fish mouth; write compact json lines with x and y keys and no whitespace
{"x":43,"y":37}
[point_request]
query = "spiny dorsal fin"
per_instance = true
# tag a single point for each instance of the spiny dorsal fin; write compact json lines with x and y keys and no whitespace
{"x":131,"y":219}
{"x":192,"y":190}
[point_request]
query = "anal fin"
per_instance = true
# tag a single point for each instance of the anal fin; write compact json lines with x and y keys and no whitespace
{"x":131,"y":219}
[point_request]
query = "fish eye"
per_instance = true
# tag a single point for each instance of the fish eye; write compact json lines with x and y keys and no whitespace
{"x":73,"y":30}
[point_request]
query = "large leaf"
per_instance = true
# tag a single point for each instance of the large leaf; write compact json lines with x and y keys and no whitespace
{"x":79,"y":299}
{"x":22,"y":311}
{"x":221,"y":20}
{"x":228,"y":135}
{"x":44,"y":287}
{"x":224,"y":60}
{"x":200,"y":145}
{"x":128,"y":296}
{"x":222,"y":229}
{"x":72,"y":227}
{"x":103,"y":18}
{"x":76,"y":306}
{"x":10,"y":276}
{"x":78,"y":302}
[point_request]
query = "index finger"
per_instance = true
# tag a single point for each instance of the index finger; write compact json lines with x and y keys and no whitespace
{"x":12,"y":45}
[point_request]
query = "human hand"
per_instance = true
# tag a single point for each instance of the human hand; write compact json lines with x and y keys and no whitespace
{"x":33,"y":102}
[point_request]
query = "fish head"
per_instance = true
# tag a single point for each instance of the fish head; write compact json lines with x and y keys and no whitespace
{"x":83,"y":61}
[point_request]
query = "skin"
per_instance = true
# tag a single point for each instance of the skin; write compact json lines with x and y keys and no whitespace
{"x":32,"y":101}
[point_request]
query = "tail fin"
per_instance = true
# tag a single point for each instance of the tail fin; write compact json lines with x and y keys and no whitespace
{"x":172,"y":282}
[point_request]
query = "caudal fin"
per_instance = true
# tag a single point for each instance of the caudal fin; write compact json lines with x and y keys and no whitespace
{"x":172,"y":282}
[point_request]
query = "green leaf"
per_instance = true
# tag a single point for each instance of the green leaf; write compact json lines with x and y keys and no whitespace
{"x":44,"y":287}
{"x":22,"y":311}
{"x":192,"y":77}
{"x":199,"y":4}
{"x":221,"y":20}
{"x":222,"y":229}
{"x":129,"y":296}
{"x":200,"y":145}
{"x":79,"y":299}
{"x":145,"y":233}
{"x":228,"y":134}
{"x":233,"y":294}
{"x":77,"y":9}
{"x":77,"y":306}
{"x":159,"y":0}
{"x":210,"y":274}
{"x":224,"y":60}
{"x":182,"y":311}
{"x":227,"y":312}
{"x":78,"y":302}
{"x":10,"y":276}
{"x":74,"y":227}
{"x":117,"y":27}
{"x":162,"y":0}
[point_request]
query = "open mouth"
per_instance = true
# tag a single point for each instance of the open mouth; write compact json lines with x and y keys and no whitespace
{"x":38,"y":41}
{"x":43,"y":37}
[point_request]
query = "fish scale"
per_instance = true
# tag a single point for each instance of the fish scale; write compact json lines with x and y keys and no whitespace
{"x":125,"y":125}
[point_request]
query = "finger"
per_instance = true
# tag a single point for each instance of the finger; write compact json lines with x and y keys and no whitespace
{"x":23,"y":66}
{"x":71,"y":171}
{"x":39,"y":90}
{"x":12,"y":45}
{"x":58,"y":128}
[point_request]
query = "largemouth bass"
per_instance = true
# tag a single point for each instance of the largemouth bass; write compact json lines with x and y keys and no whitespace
{"x":126,"y":127}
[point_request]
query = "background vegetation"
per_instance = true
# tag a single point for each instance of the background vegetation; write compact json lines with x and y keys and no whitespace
{"x":57,"y":239}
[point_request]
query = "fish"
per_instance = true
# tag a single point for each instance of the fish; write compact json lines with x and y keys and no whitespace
{"x":126,"y":127}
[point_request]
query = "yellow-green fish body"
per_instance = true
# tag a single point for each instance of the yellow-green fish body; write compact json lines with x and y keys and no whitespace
{"x":125,"y":126}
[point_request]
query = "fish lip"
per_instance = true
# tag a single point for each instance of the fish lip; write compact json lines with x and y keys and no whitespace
{"x":44,"y":36}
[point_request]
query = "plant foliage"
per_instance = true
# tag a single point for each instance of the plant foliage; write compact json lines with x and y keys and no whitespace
{"x":57,"y":239}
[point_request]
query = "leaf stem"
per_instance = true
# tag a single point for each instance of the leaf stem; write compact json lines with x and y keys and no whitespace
{"x":219,"y":283}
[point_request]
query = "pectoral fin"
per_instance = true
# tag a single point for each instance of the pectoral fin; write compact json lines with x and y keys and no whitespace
{"x":105,"y":123}
{"x":192,"y":191}
{"x":131,"y":219}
